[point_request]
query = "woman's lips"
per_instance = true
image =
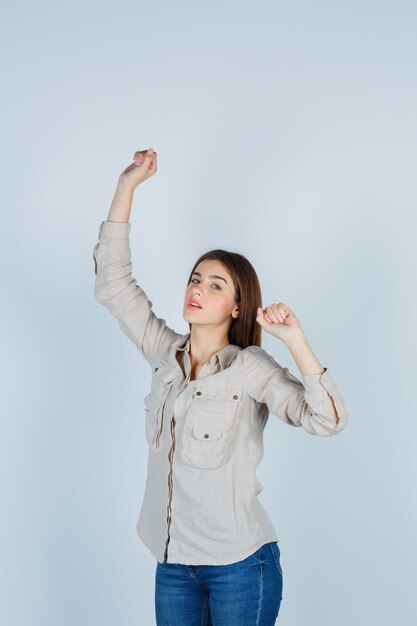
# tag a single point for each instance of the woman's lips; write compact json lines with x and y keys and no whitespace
{"x":191,"y":307}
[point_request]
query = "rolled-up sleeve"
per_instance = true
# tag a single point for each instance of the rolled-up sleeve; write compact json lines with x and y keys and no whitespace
{"x":305,"y":403}
{"x":118,"y":290}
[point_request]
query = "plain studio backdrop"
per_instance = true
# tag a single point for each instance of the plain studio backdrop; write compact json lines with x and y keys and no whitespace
{"x":285,"y":131}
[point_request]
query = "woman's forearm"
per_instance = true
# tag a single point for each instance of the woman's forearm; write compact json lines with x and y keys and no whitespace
{"x":303,"y":355}
{"x":307,"y":362}
{"x":121,"y":204}
{"x":143,"y":166}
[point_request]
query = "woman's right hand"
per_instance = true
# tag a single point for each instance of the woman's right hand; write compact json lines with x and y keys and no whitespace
{"x":143,"y":166}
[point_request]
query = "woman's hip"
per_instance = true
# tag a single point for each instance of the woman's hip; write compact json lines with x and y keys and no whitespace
{"x":246,"y":592}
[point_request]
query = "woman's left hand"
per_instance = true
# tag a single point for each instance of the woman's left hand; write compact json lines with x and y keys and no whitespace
{"x":279,"y":320}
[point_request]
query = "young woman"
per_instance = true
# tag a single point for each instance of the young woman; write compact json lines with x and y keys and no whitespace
{"x":218,"y":560}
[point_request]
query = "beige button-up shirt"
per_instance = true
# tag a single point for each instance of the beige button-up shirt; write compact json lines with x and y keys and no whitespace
{"x":205,"y":436}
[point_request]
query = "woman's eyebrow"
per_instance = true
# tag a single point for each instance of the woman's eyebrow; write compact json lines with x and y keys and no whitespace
{"x":211,"y":276}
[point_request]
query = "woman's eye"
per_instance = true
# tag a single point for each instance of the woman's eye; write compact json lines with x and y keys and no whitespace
{"x":215,"y":284}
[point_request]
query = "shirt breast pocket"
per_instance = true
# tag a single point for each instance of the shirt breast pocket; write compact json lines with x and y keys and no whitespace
{"x":153,"y":422}
{"x":155,"y":418}
{"x":207,"y":425}
{"x":155,"y":402}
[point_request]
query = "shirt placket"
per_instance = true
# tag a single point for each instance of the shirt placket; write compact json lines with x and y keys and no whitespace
{"x":206,"y":369}
{"x":170,"y":460}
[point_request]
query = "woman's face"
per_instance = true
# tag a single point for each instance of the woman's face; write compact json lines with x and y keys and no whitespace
{"x":212,"y":287}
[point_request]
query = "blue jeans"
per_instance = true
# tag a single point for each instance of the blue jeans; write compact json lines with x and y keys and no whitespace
{"x":246,"y":593}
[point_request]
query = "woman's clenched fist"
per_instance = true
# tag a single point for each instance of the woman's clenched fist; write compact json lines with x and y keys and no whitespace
{"x":144,"y":165}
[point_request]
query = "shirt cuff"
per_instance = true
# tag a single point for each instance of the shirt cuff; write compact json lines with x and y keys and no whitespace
{"x":318,"y":389}
{"x":114,"y":230}
{"x":311,"y":381}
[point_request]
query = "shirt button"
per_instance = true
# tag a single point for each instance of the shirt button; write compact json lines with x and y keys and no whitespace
{"x":235,"y":397}
{"x":198,"y":393}
{"x":206,"y":436}
{"x":156,"y":369}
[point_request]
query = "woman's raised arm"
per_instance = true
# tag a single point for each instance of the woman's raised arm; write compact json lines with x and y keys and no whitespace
{"x":115,"y":287}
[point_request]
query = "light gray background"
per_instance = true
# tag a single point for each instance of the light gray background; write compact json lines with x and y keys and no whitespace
{"x":285,"y":131}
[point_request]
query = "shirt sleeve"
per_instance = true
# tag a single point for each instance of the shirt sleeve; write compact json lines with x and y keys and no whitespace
{"x":305,"y":403}
{"x":117,"y":289}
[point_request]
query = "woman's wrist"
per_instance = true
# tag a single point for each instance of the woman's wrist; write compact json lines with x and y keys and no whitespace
{"x":295,"y":338}
{"x":304,"y":357}
{"x":121,"y":204}
{"x":124,"y":185}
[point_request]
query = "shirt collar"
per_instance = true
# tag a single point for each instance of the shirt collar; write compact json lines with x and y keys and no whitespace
{"x":225,"y":355}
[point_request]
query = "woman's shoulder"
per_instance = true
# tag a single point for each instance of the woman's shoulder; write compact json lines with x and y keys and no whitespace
{"x":254,"y":357}
{"x":255,"y":350}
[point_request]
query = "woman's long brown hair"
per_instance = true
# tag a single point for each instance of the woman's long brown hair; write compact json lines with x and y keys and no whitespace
{"x":244,"y":330}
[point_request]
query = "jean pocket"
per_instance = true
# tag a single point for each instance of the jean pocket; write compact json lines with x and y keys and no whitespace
{"x":276,"y":553}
